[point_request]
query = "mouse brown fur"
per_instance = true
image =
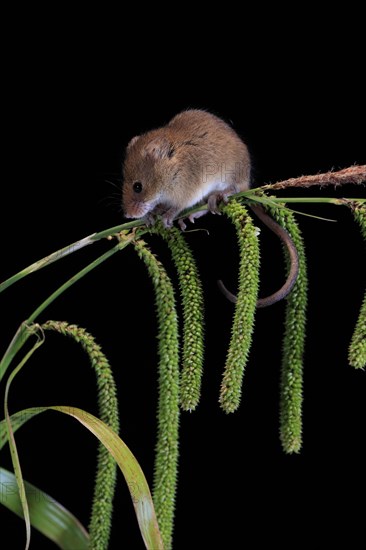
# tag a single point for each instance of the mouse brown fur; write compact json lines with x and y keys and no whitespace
{"x":195,"y":157}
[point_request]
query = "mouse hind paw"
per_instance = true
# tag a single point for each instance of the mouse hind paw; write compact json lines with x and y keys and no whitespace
{"x":192,"y":217}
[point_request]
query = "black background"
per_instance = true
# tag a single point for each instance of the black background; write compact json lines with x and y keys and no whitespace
{"x":72,"y":104}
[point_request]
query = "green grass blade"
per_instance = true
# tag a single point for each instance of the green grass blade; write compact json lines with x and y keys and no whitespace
{"x":12,"y":444}
{"x":17,"y":420}
{"x":66,"y":251}
{"x":137,"y":484}
{"x":46,"y":514}
{"x":47,"y":260}
{"x":133,"y":474}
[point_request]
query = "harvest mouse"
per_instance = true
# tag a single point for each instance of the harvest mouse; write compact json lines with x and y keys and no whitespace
{"x":195,"y":158}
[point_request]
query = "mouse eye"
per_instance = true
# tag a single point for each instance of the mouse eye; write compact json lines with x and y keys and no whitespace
{"x":137,"y":186}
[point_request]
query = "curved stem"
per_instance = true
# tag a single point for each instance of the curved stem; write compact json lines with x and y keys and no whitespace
{"x":22,"y":334}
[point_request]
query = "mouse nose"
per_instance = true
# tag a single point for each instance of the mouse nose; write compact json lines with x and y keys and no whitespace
{"x":137,"y":209}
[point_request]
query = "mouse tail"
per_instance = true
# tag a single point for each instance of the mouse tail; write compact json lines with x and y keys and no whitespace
{"x":286,"y":288}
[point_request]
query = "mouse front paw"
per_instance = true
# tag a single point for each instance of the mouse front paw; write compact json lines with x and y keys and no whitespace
{"x":149,"y":219}
{"x":214,"y":201}
{"x":182,"y":225}
{"x":167,"y":222}
{"x":167,"y":217}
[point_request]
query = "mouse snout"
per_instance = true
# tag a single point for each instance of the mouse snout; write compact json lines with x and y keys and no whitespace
{"x":136,"y":209}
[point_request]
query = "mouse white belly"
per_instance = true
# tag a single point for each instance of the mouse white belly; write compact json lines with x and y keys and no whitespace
{"x":215,"y":183}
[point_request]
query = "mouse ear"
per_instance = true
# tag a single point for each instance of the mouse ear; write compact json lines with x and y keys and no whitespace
{"x":159,"y":148}
{"x":133,"y":140}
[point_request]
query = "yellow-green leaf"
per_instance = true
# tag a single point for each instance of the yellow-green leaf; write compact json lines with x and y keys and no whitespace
{"x":134,"y":476}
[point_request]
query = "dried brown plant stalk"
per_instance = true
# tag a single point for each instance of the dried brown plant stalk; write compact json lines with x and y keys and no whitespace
{"x":353,"y":174}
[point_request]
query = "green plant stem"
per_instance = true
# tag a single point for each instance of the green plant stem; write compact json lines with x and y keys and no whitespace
{"x":252,"y":194}
{"x":76,"y":278}
{"x":67,"y":250}
{"x":312,"y":200}
{"x":12,"y":443}
{"x":47,"y":260}
{"x":22,"y":334}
